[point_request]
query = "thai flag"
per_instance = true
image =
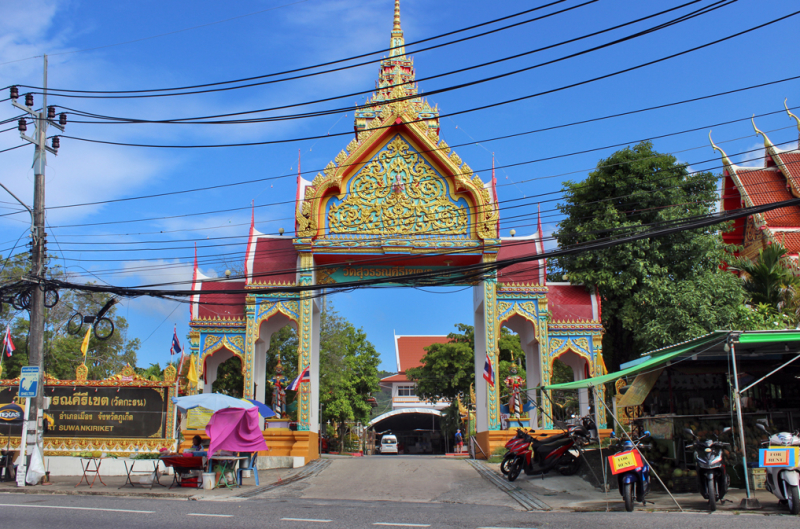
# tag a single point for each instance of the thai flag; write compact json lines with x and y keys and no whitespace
{"x":8,"y":345}
{"x":488,"y":370}
{"x":176,"y":345}
{"x":304,"y":376}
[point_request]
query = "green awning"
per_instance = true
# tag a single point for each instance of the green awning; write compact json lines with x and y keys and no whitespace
{"x":769,"y":336}
{"x":664,"y":356}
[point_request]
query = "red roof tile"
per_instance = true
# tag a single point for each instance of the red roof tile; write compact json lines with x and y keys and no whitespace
{"x":410,"y":350}
{"x":569,"y":302}
{"x":764,"y":186}
{"x":790,"y":240}
{"x":275,"y":260}
{"x":400,"y":377}
{"x":523,"y":272}
{"x":221,"y":305}
{"x":791,"y":160}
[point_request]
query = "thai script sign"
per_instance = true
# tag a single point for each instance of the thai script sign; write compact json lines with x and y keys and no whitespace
{"x":624,"y":461}
{"x":86,"y":411}
{"x":778,"y":457}
{"x":392,"y":274}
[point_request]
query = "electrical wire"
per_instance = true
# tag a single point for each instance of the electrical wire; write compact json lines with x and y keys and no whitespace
{"x":329,"y":63}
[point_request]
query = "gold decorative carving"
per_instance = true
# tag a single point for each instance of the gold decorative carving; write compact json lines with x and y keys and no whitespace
{"x":341,"y":157}
{"x":170,"y":373}
{"x":82,"y":372}
{"x":398,"y":193}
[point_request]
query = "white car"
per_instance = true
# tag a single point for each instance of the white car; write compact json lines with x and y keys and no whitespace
{"x":389,"y":444}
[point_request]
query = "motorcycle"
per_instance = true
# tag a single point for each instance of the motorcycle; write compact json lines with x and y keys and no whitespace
{"x":514,"y":447}
{"x":635,"y":482}
{"x":712,"y":477}
{"x":784,"y":482}
{"x":540,"y":456}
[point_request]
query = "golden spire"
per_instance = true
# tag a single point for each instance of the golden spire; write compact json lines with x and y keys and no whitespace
{"x":398,"y":43}
{"x":767,"y":143}
{"x":725,"y":158}
{"x":792,"y":115}
{"x":396,"y":16}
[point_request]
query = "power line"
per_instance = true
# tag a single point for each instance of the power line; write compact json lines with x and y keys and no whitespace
{"x":329,"y":63}
{"x":483,"y":107}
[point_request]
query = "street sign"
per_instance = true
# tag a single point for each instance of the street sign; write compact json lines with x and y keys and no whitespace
{"x":29,"y":382}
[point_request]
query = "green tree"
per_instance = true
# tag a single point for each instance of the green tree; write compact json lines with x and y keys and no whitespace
{"x":62,"y":353}
{"x":658,"y":290}
{"x":230,"y":380}
{"x":348,"y":371}
{"x":448,"y":369}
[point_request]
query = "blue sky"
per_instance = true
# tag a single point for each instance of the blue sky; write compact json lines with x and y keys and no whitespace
{"x":106,"y":46}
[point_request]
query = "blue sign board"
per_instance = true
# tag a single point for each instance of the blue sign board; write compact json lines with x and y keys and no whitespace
{"x":777,"y":457}
{"x":29,"y":382}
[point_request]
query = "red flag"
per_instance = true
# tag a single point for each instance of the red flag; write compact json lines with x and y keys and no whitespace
{"x":8,"y":345}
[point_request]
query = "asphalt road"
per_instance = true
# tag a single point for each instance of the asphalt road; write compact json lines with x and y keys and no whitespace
{"x":89,"y":512}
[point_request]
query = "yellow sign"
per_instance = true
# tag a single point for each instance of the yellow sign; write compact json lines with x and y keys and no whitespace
{"x":624,"y":461}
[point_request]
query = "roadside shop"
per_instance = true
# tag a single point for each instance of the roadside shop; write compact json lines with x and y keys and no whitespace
{"x":725,"y":378}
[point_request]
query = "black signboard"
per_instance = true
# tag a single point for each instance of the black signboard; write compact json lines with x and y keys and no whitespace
{"x":101,"y":412}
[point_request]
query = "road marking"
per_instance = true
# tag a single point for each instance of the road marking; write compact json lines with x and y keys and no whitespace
{"x":74,"y":508}
{"x":404,"y":524}
{"x":204,"y":514}
{"x":305,"y":520}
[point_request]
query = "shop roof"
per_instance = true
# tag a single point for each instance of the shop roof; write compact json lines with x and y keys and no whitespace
{"x":712,"y":344}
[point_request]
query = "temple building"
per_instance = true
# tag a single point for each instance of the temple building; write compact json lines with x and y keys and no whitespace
{"x":396,"y":206}
{"x":777,"y":180}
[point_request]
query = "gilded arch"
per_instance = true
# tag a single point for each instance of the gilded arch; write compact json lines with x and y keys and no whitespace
{"x":213,"y":343}
{"x":525,"y":309}
{"x":265,"y":311}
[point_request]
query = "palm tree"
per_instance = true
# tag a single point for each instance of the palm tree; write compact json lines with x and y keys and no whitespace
{"x":769,"y":280}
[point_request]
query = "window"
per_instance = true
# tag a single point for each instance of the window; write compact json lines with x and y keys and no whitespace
{"x":406,"y":391}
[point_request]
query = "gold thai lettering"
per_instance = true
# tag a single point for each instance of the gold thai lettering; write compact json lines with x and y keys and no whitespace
{"x":118,"y":417}
{"x":395,"y":271}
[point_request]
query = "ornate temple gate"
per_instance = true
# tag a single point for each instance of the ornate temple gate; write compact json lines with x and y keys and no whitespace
{"x":397,"y":201}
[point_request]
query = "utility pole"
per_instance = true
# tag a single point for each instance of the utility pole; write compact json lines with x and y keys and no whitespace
{"x":46,"y":116}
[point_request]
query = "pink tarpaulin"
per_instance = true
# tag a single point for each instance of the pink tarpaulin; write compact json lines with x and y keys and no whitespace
{"x":235,"y":429}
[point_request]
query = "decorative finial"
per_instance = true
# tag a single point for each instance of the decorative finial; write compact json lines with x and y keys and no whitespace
{"x":753,"y":121}
{"x":791,"y":115}
{"x":397,"y":16}
{"x":398,"y":42}
{"x":725,"y":158}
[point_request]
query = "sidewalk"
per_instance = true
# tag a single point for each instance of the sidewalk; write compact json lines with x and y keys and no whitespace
{"x":572,"y":493}
{"x":115,"y":486}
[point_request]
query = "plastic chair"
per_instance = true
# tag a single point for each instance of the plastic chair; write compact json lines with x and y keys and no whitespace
{"x":248,"y":465}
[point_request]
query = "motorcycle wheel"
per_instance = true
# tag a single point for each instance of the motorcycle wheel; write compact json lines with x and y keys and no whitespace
{"x":568,"y":465}
{"x":505,"y":465}
{"x":514,"y":469}
{"x":793,"y":499}
{"x":711,"y":487}
{"x":627,"y":495}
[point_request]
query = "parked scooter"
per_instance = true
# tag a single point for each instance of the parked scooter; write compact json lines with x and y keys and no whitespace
{"x":633,"y":483}
{"x":515,"y":446}
{"x":784,"y":482}
{"x":712,"y":478}
{"x":540,"y":456}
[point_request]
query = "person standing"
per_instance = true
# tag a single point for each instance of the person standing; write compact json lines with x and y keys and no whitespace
{"x":459,"y":442}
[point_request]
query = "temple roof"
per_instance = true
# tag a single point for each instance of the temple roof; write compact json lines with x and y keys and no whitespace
{"x":569,"y":303}
{"x":411,"y":349}
{"x":777,"y":180}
